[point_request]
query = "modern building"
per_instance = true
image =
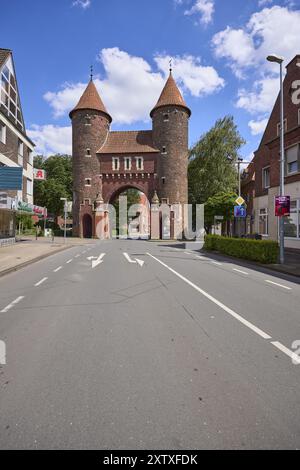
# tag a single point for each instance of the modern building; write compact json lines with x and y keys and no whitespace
{"x":261,"y":179}
{"x":16,"y":148}
{"x":105,"y":163}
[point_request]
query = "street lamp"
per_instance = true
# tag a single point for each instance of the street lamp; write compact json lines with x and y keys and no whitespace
{"x":279,"y":60}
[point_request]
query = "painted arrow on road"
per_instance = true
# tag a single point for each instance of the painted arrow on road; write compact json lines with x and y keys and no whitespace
{"x":96,"y":260}
{"x":134,"y":261}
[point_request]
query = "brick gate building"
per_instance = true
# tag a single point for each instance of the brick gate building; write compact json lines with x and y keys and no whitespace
{"x":106,"y":163}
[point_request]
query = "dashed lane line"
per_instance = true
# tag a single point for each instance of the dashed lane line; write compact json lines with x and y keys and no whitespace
{"x":278,"y":285}
{"x":40,"y":282}
{"x":12,"y":304}
{"x":57,"y":269}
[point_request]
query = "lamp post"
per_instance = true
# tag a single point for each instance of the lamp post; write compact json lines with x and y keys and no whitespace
{"x":279,"y":60}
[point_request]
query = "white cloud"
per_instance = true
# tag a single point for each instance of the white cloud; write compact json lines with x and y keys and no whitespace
{"x":131,"y":88}
{"x":258,"y":127}
{"x":262,"y":3}
{"x":204,"y":8}
{"x":261,"y":98}
{"x":82,"y":3}
{"x":51,"y":139}
{"x":274,"y":29}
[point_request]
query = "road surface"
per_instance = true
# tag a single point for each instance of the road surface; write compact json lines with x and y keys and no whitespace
{"x":142,"y":345}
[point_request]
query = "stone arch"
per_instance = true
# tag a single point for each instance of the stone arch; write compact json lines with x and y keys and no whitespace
{"x":112,"y":195}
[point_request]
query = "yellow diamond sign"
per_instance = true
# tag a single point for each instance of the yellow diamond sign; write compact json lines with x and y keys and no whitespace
{"x":240,"y":201}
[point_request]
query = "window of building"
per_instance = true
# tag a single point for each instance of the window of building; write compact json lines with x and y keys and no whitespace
{"x":30,"y":157}
{"x":164,"y":150}
{"x":9,"y":96}
{"x":88,"y":181}
{"x":292,"y":223}
{"x":266,"y":177}
{"x":127,"y":163}
{"x":263,"y":222}
{"x":163,"y":179}
{"x":292,"y":159}
{"x":2,"y":133}
{"x":284,"y":125}
{"x":87,"y":120}
{"x":29,"y":188}
{"x":166,"y":117}
{"x":115,"y":163}
{"x":20,"y":152}
{"x":88,"y":153}
{"x":139,"y":163}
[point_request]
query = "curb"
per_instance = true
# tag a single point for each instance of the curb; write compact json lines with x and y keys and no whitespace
{"x":33,"y":260}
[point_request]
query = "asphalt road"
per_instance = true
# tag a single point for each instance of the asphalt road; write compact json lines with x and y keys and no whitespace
{"x":173,"y":351}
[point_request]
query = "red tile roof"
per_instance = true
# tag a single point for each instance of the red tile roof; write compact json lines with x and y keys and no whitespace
{"x":128,"y":142}
{"x":91,"y":100}
{"x":170,"y":96}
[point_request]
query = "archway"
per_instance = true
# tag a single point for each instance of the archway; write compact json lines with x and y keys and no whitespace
{"x":87,"y":226}
{"x":135,"y":222}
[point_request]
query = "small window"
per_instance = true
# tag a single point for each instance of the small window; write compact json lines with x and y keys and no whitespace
{"x":292,"y":159}
{"x":284,"y":125}
{"x":30,"y":157}
{"x":88,"y":153}
{"x":164,"y":150}
{"x":88,"y":181}
{"x":139,"y":163}
{"x":266,"y":177}
{"x":20,"y":152}
{"x":2,"y":133}
{"x":127,"y":163}
{"x":29,"y":187}
{"x":87,"y":120}
{"x":263,"y":222}
{"x":166,"y":117}
{"x":115,"y":164}
{"x":163,"y":180}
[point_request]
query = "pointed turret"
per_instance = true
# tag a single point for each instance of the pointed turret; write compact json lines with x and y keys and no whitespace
{"x":90,"y":100}
{"x":170,"y":96}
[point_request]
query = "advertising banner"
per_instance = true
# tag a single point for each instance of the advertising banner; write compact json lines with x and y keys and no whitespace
{"x":282,"y":206}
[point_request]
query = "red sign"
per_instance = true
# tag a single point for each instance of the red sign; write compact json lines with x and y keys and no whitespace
{"x":282,"y":206}
{"x":39,"y":174}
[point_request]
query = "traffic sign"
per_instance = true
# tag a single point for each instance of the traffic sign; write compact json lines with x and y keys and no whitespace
{"x":240,"y":201}
{"x":240,"y":212}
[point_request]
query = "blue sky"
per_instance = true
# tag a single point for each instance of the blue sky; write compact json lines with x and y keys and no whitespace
{"x":218,"y":49}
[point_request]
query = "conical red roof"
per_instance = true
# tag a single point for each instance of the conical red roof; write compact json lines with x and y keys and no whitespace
{"x":170,"y":96}
{"x":91,"y":100}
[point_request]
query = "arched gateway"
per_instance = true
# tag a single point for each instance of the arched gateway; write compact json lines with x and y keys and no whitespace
{"x":107,"y":162}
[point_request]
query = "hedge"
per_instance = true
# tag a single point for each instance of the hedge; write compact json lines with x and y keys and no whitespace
{"x":263,"y":251}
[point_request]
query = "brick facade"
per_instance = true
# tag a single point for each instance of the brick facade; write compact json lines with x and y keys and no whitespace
{"x":163,"y":152}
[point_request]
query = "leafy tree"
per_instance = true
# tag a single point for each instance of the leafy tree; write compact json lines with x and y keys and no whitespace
{"x":212,"y":168}
{"x":133,"y":197}
{"x":58,"y":182}
{"x":221,"y":204}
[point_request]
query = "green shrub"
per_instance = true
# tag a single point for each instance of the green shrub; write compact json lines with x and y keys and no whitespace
{"x":263,"y":251}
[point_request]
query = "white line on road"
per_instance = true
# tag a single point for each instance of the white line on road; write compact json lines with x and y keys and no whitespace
{"x":216,"y":263}
{"x":239,"y":271}
{"x":40,"y":282}
{"x":288,"y":352}
{"x":14,"y":302}
{"x":215,"y":301}
{"x":70,"y":261}
{"x":279,"y":285}
{"x":57,"y":269}
{"x":77,"y":256}
{"x":135,"y":261}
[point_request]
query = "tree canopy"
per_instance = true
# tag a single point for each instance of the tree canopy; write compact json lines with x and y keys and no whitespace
{"x":212,"y":168}
{"x":58,"y":183}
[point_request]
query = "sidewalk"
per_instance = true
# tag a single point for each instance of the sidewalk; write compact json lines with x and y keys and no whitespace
{"x":29,"y":250}
{"x":291,"y":265}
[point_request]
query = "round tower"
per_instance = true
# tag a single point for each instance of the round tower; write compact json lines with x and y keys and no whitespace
{"x":90,"y":127}
{"x":170,"y":120}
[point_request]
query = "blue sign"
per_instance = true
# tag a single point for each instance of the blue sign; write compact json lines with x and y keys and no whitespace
{"x":240,"y":211}
{"x":11,"y":177}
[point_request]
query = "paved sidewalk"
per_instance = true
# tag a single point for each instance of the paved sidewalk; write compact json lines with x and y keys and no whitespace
{"x":28,"y":250}
{"x":291,"y":265}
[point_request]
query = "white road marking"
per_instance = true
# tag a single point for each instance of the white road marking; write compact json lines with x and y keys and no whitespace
{"x":40,"y":282}
{"x":239,"y":271}
{"x":14,"y":302}
{"x":70,"y":261}
{"x":288,"y":352}
{"x":57,"y":269}
{"x":215,"y":301}
{"x":135,"y":261}
{"x":216,"y":263}
{"x":77,"y":256}
{"x":96,"y":260}
{"x":279,"y":285}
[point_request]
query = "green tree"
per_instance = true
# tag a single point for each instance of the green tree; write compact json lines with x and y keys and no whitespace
{"x":58,"y":182}
{"x":221,"y":204}
{"x":212,"y":168}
